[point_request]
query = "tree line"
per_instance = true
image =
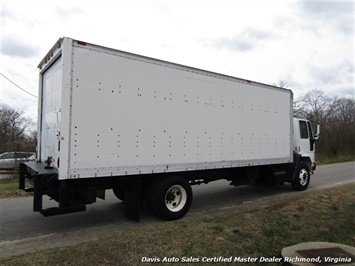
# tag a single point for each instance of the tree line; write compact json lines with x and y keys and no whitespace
{"x":336,"y":116}
{"x":16,"y":133}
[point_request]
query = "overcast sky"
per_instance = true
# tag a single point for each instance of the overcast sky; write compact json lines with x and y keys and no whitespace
{"x":308,"y":45}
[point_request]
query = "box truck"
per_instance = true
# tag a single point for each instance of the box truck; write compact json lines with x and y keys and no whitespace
{"x":150,"y":129}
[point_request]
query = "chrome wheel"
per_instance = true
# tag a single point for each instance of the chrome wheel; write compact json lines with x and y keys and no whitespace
{"x":303,"y":177}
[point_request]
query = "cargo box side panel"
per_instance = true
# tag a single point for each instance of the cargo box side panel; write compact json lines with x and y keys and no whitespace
{"x":131,"y":115}
{"x":51,"y":111}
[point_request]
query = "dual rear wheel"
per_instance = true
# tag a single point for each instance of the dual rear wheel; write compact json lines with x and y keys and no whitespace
{"x":169,"y":197}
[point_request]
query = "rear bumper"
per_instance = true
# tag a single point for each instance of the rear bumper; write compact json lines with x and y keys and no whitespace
{"x":34,"y":170}
{"x":73,"y":195}
{"x":45,"y":182}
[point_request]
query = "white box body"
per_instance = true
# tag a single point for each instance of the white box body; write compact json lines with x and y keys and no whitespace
{"x":105,"y":112}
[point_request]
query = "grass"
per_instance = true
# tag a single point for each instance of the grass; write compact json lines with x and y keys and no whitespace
{"x":252,"y":230}
{"x":323,"y":160}
{"x":9,"y":189}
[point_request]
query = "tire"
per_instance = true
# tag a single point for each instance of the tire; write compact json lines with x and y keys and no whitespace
{"x":302,"y":177}
{"x":170,"y":197}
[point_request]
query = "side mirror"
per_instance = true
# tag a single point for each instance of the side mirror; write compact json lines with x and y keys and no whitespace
{"x":316,"y":136}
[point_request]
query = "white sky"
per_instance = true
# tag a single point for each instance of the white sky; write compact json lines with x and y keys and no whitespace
{"x":308,"y":45}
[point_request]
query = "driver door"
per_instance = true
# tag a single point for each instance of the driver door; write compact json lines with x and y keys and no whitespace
{"x":306,"y":139}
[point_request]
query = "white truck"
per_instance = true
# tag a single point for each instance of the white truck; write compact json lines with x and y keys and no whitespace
{"x":149,"y":129}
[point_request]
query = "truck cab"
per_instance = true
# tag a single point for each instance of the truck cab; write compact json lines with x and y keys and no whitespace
{"x":304,"y":141}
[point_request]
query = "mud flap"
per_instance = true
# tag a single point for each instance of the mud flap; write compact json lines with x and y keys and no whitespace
{"x":296,"y":161}
{"x":133,"y":199}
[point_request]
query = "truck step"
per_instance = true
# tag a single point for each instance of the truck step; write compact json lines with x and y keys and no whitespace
{"x":57,"y":211}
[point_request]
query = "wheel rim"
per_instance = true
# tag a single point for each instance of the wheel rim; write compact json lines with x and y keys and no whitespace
{"x":175,"y":198}
{"x":303,"y":177}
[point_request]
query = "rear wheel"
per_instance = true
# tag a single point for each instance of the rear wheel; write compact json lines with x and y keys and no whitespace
{"x":170,"y":197}
{"x":302,"y":177}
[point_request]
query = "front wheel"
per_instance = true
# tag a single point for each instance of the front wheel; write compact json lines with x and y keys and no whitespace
{"x":302,"y":177}
{"x":170,"y":197}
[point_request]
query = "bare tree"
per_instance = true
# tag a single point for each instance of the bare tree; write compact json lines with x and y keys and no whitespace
{"x":299,"y":109}
{"x":337,"y":120}
{"x":345,"y":111}
{"x":280,"y":84}
{"x":317,"y":105}
{"x":13,"y":127}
